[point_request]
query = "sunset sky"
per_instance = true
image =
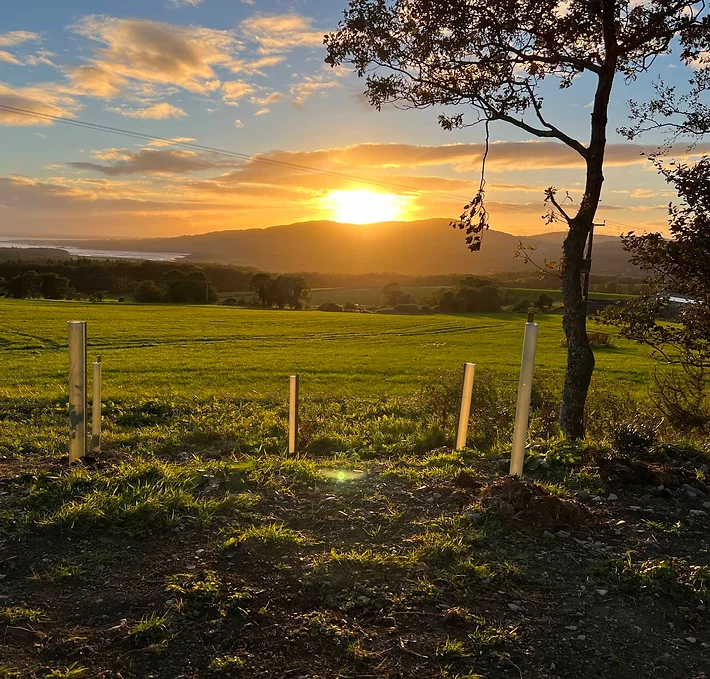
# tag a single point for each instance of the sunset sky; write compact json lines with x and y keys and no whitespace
{"x":248,"y":77}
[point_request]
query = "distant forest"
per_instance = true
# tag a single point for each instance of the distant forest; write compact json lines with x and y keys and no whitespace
{"x":86,"y":277}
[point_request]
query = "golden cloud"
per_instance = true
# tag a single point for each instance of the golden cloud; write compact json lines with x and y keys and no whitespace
{"x":275,"y":33}
{"x":235,"y":90}
{"x":47,"y":99}
{"x":154,"y":52}
{"x":161,"y":111}
{"x":13,"y":38}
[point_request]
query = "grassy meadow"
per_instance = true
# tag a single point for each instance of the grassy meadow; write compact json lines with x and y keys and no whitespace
{"x":209,"y":351}
{"x":193,"y":546}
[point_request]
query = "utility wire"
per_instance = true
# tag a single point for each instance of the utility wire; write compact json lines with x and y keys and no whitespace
{"x":257,"y":159}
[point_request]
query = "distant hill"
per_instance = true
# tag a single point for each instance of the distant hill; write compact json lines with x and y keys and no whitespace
{"x":422,"y":247}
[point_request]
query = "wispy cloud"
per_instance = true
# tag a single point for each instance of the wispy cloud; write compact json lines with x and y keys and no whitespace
{"x":46,"y":98}
{"x":235,"y":90}
{"x":274,"y":33}
{"x":13,"y":38}
{"x":152,"y":161}
{"x":161,"y":111}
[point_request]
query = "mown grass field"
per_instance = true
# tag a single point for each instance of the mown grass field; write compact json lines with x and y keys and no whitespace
{"x":210,"y":351}
{"x":372,"y":296}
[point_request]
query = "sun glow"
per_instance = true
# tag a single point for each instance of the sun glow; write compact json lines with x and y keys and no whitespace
{"x":364,"y":207}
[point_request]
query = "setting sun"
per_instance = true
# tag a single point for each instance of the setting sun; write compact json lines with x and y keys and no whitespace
{"x":364,"y":207}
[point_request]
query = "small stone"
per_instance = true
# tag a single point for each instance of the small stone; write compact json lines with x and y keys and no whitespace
{"x":199,"y":551}
{"x":436,"y":496}
{"x":364,"y":599}
{"x":191,"y":567}
{"x":582,"y":495}
{"x":582,"y":637}
{"x":170,"y":602}
{"x":474,"y":517}
{"x":706,"y":505}
{"x":701,"y":607}
{"x":99,"y":601}
{"x":691,"y":640}
{"x":698,"y":512}
{"x":563,"y":534}
{"x":635,"y":508}
{"x":602,"y":592}
{"x":544,"y":464}
{"x":637,"y":629}
{"x":514,"y":607}
{"x":430,"y":500}
{"x":571,"y":628}
{"x":612,"y":497}
{"x":548,"y":536}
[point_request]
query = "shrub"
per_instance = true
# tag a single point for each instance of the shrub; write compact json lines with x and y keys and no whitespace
{"x":406,"y":309}
{"x":330,"y":306}
{"x":230,"y":301}
{"x":350,"y":306}
{"x":633,"y":441}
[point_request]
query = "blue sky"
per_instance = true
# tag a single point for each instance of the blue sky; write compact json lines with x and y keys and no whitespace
{"x":249,"y":77}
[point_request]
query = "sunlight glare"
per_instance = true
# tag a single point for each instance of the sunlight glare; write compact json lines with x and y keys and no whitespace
{"x":364,"y":207}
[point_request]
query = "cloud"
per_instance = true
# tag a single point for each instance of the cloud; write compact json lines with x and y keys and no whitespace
{"x":235,"y":90}
{"x":13,"y":38}
{"x":161,"y":111}
{"x":152,"y":161}
{"x":274,"y":33}
{"x":238,"y":123}
{"x":263,"y":111}
{"x":155,"y":52}
{"x":9,"y":58}
{"x":184,"y":3}
{"x":46,"y":99}
{"x":167,"y":142}
{"x":267,"y":100}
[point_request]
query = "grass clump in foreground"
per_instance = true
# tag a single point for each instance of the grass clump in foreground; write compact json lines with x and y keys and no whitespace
{"x":139,"y":493}
{"x":226,"y":664}
{"x":153,"y":630}
{"x":18,"y":614}
{"x":272,"y":535}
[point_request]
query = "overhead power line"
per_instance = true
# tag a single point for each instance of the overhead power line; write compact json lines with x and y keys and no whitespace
{"x":192,"y":146}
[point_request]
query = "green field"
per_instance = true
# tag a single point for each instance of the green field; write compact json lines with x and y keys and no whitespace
{"x":372,"y":296}
{"x":205,"y":351}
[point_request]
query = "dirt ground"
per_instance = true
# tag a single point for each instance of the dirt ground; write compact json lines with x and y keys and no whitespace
{"x":385,"y":570}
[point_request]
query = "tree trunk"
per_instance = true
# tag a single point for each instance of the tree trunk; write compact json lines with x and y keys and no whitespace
{"x":580,"y":358}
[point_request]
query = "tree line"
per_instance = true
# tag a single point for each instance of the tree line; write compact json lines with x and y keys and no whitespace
{"x":88,"y":276}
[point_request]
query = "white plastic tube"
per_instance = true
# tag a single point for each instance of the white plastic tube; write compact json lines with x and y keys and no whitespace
{"x":469,"y":370}
{"x":522,"y":411}
{"x":293,"y":416}
{"x":96,"y":408}
{"x":77,"y":390}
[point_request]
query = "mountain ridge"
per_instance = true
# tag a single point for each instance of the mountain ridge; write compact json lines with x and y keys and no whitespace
{"x":421,"y":247}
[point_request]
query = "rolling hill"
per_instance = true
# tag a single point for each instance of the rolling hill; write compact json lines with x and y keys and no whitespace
{"x":422,"y":247}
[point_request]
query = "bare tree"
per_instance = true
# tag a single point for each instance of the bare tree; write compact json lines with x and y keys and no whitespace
{"x":493,"y":56}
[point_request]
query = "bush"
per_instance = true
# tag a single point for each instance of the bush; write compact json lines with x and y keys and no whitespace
{"x":406,"y":309}
{"x":544,"y":302}
{"x":426,"y":309}
{"x":633,"y":441}
{"x":230,"y":301}
{"x":350,"y":306}
{"x":330,"y":306}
